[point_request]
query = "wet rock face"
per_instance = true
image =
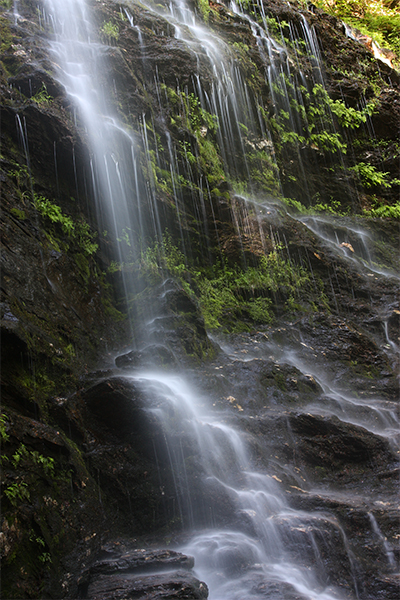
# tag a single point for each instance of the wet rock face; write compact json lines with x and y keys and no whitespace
{"x":90,"y":464}
{"x":152,"y":587}
{"x":177,"y":329}
{"x":123,"y":573}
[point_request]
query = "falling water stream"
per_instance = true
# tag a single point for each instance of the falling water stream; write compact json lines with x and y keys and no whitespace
{"x":268,"y":543}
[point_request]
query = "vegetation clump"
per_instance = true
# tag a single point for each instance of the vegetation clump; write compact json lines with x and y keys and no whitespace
{"x":231,"y":296}
{"x":378,"y":19}
{"x":78,"y":231}
{"x":109,"y":32}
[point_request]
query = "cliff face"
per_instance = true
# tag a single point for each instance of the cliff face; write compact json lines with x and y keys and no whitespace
{"x":311,"y":120}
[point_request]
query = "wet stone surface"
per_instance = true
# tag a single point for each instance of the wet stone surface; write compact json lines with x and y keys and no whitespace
{"x":124,"y":572}
{"x":314,"y":394}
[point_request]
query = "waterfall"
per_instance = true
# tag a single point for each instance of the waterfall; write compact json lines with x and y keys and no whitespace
{"x":246,"y":538}
{"x":124,"y":202}
{"x":268,"y":533}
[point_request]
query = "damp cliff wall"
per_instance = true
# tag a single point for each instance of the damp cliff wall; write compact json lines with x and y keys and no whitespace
{"x":71,"y":478}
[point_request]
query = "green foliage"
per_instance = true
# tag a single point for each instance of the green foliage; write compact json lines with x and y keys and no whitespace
{"x":17,"y":492}
{"x":44,"y":557}
{"x":204,"y":9}
{"x":384,"y":211}
{"x":111,"y":311}
{"x":109,"y":32}
{"x":20,"y":214}
{"x":210,"y":161}
{"x":333,"y":207}
{"x":4,"y":437}
{"x":53,"y":212}
{"x":21,"y":174}
{"x":125,"y":237}
{"x":79,"y":231}
{"x":216,"y":300}
{"x":348,"y":117}
{"x":314,"y":115}
{"x":328,"y":142}
{"x":41,"y":96}
{"x":114,"y":267}
{"x":163,"y":256}
{"x":370,"y":176}
{"x":187,"y":151}
{"x":190,"y":112}
{"x":228,"y":295}
{"x":377,"y":19}
{"x":259,"y":310}
{"x":46,"y":462}
{"x":22,"y":454}
{"x":6,"y":35}
{"x":224,"y":293}
{"x":296,"y":205}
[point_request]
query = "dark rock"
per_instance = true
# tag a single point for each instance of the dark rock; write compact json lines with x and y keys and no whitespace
{"x":152,"y":356}
{"x":117,"y":403}
{"x":142,"y":560}
{"x":30,"y":81}
{"x":328,"y":442}
{"x":178,"y":330}
{"x":147,"y":587}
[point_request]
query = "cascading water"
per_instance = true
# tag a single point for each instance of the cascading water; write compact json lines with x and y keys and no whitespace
{"x":264,"y":544}
{"x":268,"y":543}
{"x":123,"y":200}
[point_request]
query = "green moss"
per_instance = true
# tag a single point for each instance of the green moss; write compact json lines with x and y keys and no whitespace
{"x":20,"y":214}
{"x":232,"y":296}
{"x":6,"y":35}
{"x":204,"y":9}
{"x":83,"y":266}
{"x":210,"y":161}
{"x":110,"y":310}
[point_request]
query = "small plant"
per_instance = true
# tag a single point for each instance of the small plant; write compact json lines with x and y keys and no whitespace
{"x":77,"y":230}
{"x":17,"y":492}
{"x":45,"y":557}
{"x":370,"y":176}
{"x":3,"y":428}
{"x":46,"y":462}
{"x":21,"y":174}
{"x":109,"y":32}
{"x":20,"y":454}
{"x":41,"y":96}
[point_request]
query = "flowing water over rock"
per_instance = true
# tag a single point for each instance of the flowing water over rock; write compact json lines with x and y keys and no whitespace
{"x":270,"y":455}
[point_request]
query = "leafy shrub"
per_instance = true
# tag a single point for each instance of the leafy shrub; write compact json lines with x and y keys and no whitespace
{"x":77,"y":230}
{"x":385,"y":211}
{"x":370,"y":176}
{"x":109,"y":32}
